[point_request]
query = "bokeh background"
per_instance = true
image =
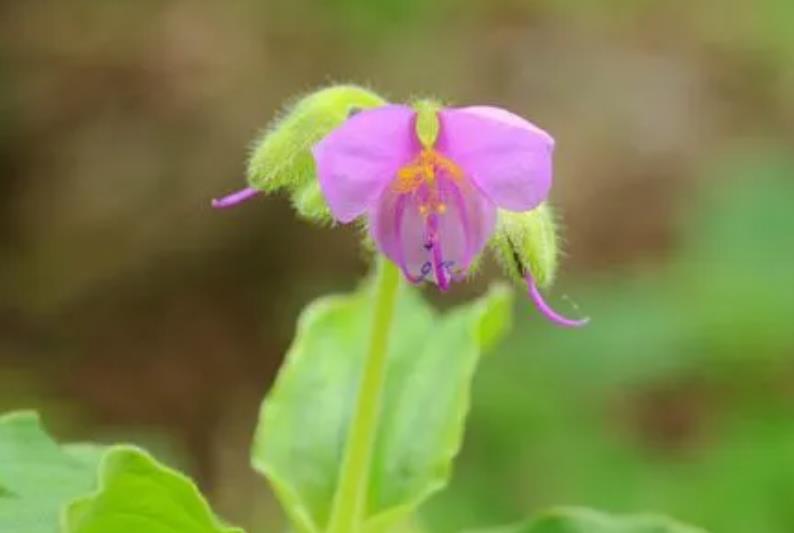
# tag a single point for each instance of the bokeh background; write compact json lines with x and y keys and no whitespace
{"x":130,"y":311}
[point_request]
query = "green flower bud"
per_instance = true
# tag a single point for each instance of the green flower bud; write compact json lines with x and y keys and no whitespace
{"x":527,"y":243}
{"x":281,"y":158}
{"x":427,"y":123}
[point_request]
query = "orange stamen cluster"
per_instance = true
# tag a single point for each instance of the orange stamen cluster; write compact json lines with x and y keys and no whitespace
{"x":424,"y":170}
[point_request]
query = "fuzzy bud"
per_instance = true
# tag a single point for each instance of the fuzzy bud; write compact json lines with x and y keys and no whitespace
{"x":527,"y":243}
{"x":281,"y":158}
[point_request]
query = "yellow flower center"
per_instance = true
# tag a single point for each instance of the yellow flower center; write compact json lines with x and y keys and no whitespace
{"x":424,"y":170}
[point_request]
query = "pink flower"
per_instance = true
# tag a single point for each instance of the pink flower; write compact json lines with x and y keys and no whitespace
{"x":430,"y":182}
{"x":432,"y":203}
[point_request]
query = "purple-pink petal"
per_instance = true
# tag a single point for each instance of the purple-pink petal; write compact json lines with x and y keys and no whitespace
{"x":437,"y":247}
{"x":398,"y":229}
{"x":468,"y":223}
{"x":508,"y":118}
{"x":508,"y":158}
{"x":357,"y":160}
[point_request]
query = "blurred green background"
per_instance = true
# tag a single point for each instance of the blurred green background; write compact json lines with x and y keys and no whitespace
{"x":130,"y":311}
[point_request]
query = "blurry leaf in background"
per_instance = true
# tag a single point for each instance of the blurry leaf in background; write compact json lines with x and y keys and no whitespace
{"x":38,"y":477}
{"x":304,"y":419}
{"x":138,"y":495}
{"x":39,"y":480}
{"x":577,"y":520}
{"x":368,"y":18}
{"x":735,"y":274}
{"x":676,"y":399}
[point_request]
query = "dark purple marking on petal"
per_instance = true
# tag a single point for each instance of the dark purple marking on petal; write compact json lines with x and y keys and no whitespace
{"x":546,"y":310}
{"x":452,"y":272}
{"x":235,"y":198}
{"x":427,"y":268}
{"x":438,"y":260}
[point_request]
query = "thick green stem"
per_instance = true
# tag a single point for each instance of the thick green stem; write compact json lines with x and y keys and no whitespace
{"x":349,"y":506}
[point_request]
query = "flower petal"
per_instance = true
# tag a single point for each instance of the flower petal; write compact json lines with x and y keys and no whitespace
{"x":359,"y":158}
{"x":467,"y":224}
{"x":508,"y":158}
{"x":437,"y":247}
{"x":400,"y":231}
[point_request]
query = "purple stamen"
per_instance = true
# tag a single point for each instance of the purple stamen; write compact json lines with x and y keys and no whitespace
{"x":547,"y":311}
{"x":438,"y":261}
{"x":235,"y":198}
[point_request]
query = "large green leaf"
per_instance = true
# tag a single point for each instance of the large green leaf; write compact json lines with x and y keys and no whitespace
{"x":42,"y":484}
{"x":138,"y":495}
{"x":579,"y":520}
{"x":37,"y":477}
{"x":305,"y":418}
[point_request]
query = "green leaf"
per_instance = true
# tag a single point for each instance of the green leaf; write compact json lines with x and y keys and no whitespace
{"x":39,"y":480}
{"x":304,"y":419}
{"x":37,"y":477}
{"x":138,"y":495}
{"x":579,"y":520}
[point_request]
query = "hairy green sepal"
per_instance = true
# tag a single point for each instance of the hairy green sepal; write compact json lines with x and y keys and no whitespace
{"x":281,"y":158}
{"x":527,"y":242}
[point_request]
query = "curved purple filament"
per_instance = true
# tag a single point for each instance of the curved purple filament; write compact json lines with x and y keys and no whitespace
{"x":547,"y":311}
{"x":235,"y":198}
{"x":438,"y":260}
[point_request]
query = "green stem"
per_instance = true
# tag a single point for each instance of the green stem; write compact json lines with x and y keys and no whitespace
{"x":349,"y":506}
